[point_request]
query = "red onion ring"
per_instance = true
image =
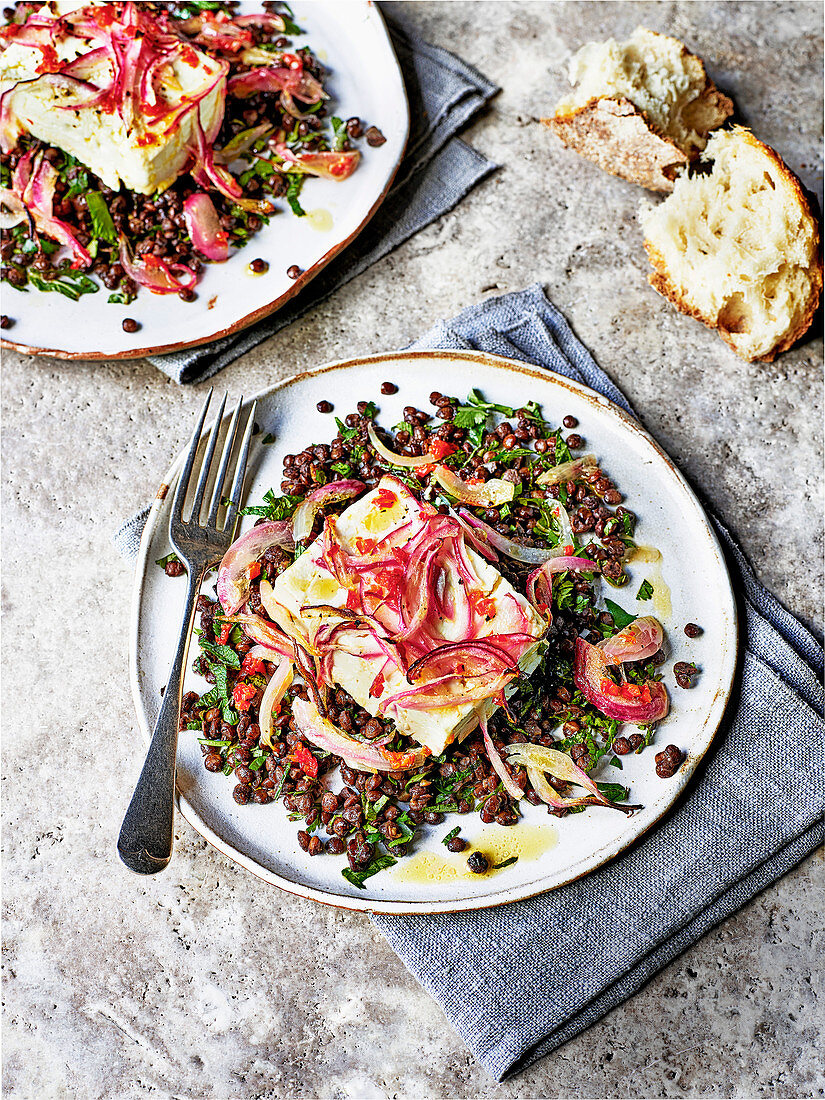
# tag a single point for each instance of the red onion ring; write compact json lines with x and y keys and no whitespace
{"x":355,"y":754}
{"x":233,"y":572}
{"x":590,"y":675}
{"x":637,"y":642}
{"x":204,"y":227}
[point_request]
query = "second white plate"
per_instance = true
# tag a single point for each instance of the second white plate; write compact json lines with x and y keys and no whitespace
{"x":350,"y":38}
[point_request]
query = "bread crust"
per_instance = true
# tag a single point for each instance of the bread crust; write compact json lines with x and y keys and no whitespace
{"x":619,"y":138}
{"x":661,"y":282}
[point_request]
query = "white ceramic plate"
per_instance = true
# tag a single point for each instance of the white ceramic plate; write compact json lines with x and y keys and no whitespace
{"x":350,"y":38}
{"x":552,"y":852}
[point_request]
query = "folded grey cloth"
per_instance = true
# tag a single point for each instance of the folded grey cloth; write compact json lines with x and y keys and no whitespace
{"x":436,"y":173}
{"x":518,"y":981}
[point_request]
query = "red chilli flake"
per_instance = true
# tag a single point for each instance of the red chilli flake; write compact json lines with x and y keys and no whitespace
{"x":377,"y":687}
{"x":632,"y":692}
{"x":305,"y":760}
{"x":482,"y":605}
{"x":226,"y":630}
{"x":243,"y":694}
{"x":252,"y":666}
{"x":385,"y":498}
{"x":254,"y":570}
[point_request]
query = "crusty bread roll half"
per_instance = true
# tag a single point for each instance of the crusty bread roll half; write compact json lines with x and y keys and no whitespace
{"x":640,"y":109}
{"x":738,"y":247}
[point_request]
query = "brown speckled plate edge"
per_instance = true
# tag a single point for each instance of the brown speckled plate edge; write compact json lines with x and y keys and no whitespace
{"x":271,"y":307}
{"x":728,"y":652}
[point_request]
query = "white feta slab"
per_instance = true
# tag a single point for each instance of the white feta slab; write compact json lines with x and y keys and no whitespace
{"x":308,"y":581}
{"x":142,"y":156}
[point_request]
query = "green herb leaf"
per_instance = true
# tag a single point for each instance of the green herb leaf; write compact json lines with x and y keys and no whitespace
{"x":346,"y":433}
{"x":379,"y":863}
{"x":71,"y":284}
{"x":621,"y":617}
{"x":280,"y":786}
{"x":275,"y":507}
{"x":614,"y":791}
{"x":645,"y":591}
{"x":615,"y":762}
{"x":121,"y":298}
{"x":293,"y":190}
{"x":163,"y":562}
{"x":504,"y":863}
{"x":451,"y":835}
{"x":102,"y":225}
{"x":223,"y":653}
{"x":339,"y":133}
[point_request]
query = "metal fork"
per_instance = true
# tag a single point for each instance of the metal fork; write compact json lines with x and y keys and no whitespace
{"x":145,"y":841}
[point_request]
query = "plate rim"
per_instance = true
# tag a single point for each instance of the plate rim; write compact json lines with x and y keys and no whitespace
{"x":710,"y":725}
{"x":306,"y":277}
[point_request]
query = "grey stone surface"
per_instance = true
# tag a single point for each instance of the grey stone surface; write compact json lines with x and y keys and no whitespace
{"x":203,"y":983}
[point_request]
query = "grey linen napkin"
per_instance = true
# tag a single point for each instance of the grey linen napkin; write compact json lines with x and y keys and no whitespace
{"x":436,"y":173}
{"x":518,"y":981}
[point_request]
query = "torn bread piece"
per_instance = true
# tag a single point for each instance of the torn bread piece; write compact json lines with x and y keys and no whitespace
{"x":640,"y":108}
{"x":738,"y":248}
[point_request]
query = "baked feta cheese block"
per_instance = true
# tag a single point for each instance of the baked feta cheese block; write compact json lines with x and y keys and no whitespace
{"x":304,"y":598}
{"x":143,"y":143}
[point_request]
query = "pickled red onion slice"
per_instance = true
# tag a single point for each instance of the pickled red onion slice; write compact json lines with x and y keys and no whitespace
{"x":638,"y":703}
{"x":204,"y":227}
{"x":567,"y":471}
{"x":499,"y":766}
{"x":331,"y":493}
{"x":407,"y":462}
{"x":273,"y":694}
{"x":233,"y":572}
{"x":540,"y":582}
{"x":487,"y":494}
{"x":355,"y":754}
{"x":529,"y":555}
{"x":538,"y":759}
{"x":638,"y":641}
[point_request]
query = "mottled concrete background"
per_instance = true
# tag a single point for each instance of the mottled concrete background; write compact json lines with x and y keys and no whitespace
{"x":203,"y":983}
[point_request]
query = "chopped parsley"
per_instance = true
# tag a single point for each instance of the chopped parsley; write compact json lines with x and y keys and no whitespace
{"x":358,"y":878}
{"x":621,"y":617}
{"x":103,"y":228}
{"x":293,"y":190}
{"x":71,"y":284}
{"x":274,"y":507}
{"x":645,"y":591}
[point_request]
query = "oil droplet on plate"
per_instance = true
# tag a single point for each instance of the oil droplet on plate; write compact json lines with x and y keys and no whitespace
{"x":498,"y":843}
{"x":320,"y":219}
{"x":649,"y":555}
{"x":526,"y":842}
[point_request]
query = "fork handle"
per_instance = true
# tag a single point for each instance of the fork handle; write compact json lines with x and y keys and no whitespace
{"x":145,"y":841}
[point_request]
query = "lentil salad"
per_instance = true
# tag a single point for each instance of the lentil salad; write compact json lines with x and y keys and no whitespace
{"x":276,"y":130}
{"x":376,"y":818}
